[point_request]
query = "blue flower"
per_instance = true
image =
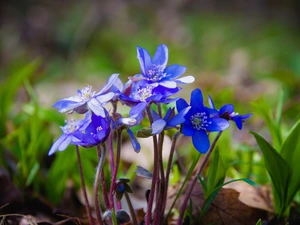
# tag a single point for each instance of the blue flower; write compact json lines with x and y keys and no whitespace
{"x":95,"y":133}
{"x":139,"y":94}
{"x":227,"y":112}
{"x":155,"y":70}
{"x":198,"y":121}
{"x":86,"y":99}
{"x":169,"y":121}
{"x":71,"y":128}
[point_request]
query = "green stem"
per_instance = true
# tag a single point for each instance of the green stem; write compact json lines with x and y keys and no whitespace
{"x":87,"y":205}
{"x":201,"y":167}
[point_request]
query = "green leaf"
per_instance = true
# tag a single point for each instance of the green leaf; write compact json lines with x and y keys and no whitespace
{"x":61,"y":169}
{"x":259,"y":222}
{"x":263,"y":109}
{"x":9,"y":89}
{"x":215,"y":192}
{"x":290,"y":152}
{"x":216,"y":173}
{"x":278,"y":113}
{"x":278,"y":170}
{"x":32,"y":173}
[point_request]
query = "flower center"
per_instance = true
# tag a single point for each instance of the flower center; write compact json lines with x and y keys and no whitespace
{"x":143,"y":93}
{"x":70,"y":127}
{"x":156,"y":72}
{"x":86,"y":93}
{"x":199,"y":120}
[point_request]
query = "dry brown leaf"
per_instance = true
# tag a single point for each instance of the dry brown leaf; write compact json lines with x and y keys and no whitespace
{"x":226,"y":209}
{"x":256,"y":197}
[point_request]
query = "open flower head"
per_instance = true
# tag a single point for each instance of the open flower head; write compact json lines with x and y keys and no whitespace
{"x":71,"y":128}
{"x":95,"y":133}
{"x":86,"y":99}
{"x":199,"y":122}
{"x":227,"y":112}
{"x":155,"y":69}
{"x":139,"y":94}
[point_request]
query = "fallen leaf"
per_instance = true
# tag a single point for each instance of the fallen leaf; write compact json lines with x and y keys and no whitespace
{"x":226,"y":209}
{"x":256,"y":197}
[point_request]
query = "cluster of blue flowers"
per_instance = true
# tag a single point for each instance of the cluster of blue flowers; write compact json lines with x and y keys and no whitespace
{"x":156,"y":83}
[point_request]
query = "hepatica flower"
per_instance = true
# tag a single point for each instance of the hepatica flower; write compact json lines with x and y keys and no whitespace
{"x":86,"y":99}
{"x":155,"y":69}
{"x":139,"y":94}
{"x":95,"y":133}
{"x":227,"y":112}
{"x":198,"y":121}
{"x":71,"y":128}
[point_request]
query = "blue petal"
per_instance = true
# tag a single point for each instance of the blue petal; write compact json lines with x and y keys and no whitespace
{"x":135,"y":144}
{"x":64,"y":143}
{"x":229,"y":108}
{"x":168,"y":84}
{"x":96,"y":107}
{"x":197,"y":100}
{"x":155,"y":116}
{"x":244,"y":117}
{"x":104,"y":98}
{"x":179,"y":118}
{"x":185,"y":80}
{"x":181,"y":104}
{"x":144,"y":59}
{"x":158,"y":126}
{"x":169,"y":113}
{"x":212,"y":112}
{"x":161,"y":56}
{"x":187,"y":130}
{"x":174,"y":71}
{"x":238,"y":122}
{"x":67,"y":106}
{"x":57,"y":143}
{"x":137,"y":109}
{"x":111,"y":81}
{"x":117,"y":86}
{"x":240,"y":119}
{"x":211,"y":102}
{"x":201,"y":141}
{"x":217,"y":124}
{"x":154,"y":98}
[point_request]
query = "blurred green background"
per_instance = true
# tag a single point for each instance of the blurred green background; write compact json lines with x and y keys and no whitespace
{"x":240,"y":52}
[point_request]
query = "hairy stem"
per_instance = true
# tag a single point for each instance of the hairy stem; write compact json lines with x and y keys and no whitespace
{"x":101,"y":156}
{"x":116,"y":167}
{"x":102,"y":177}
{"x":155,"y":177}
{"x":131,"y":209}
{"x":174,"y":140}
{"x":158,"y":215}
{"x":201,"y":167}
{"x":87,"y":205}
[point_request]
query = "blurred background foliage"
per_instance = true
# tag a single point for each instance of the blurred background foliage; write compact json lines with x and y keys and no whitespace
{"x":240,"y":52}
